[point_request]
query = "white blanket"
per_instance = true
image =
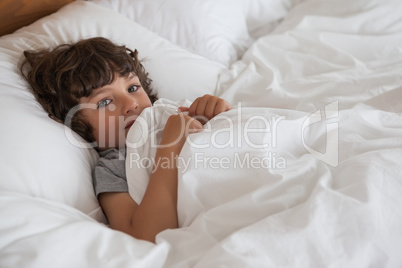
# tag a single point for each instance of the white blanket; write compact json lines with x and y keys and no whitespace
{"x":286,"y":183}
{"x":255,"y":215}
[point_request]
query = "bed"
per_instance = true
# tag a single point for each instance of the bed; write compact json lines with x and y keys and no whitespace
{"x":328,"y":73}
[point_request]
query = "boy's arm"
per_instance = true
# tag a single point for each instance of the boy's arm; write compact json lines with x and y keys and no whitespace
{"x":158,"y":209}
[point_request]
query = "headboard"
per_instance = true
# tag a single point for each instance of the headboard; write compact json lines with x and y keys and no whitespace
{"x":15,"y":14}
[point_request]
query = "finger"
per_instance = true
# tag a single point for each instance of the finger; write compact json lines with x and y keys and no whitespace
{"x":183,"y":109}
{"x":197,"y":109}
{"x":210,"y":108}
{"x":222,"y":106}
{"x":193,"y":107}
{"x":202,"y":103}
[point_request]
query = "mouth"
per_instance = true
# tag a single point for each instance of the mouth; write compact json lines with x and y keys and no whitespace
{"x":129,"y":124}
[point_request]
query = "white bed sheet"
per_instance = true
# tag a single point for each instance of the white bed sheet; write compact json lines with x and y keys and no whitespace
{"x":342,"y":55}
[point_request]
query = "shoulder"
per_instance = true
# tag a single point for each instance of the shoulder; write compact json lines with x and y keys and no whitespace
{"x":112,"y":159}
{"x":110,"y":172}
{"x":112,"y":154}
{"x":111,"y":162}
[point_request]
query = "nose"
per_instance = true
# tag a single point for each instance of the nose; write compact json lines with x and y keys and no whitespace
{"x":130,"y":105}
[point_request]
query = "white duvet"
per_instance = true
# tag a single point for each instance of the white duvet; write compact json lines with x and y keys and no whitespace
{"x":260,"y":214}
{"x":260,"y":184}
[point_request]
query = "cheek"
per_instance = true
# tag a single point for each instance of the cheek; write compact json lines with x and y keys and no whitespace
{"x":106,"y":131}
{"x":105,"y":128}
{"x":146,"y":101}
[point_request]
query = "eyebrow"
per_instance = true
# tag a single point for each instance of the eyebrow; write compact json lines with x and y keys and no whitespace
{"x":99,"y":91}
{"x":131,"y":75}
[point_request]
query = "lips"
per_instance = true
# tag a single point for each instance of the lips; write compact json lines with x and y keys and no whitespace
{"x":130,"y":121}
{"x":129,"y":124}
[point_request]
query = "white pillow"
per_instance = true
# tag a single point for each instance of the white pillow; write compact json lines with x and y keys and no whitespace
{"x":37,"y":158}
{"x":218,"y":30}
{"x":214,"y":29}
{"x":264,"y":15}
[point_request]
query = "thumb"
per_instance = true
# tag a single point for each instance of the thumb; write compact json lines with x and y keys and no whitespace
{"x":182,"y":109}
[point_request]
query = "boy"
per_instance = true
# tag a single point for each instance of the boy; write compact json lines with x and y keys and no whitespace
{"x":111,"y":88}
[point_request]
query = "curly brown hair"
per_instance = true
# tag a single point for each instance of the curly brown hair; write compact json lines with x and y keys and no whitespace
{"x":61,"y":76}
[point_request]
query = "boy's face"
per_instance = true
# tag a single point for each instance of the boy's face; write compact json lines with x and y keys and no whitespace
{"x":113,"y":109}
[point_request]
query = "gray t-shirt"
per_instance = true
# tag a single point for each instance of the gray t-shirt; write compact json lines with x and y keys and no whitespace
{"x":110,"y":172}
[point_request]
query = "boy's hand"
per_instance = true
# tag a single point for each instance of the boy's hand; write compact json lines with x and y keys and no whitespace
{"x":206,"y":107}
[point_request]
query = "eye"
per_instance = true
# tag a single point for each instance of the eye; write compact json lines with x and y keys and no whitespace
{"x":133,"y":88}
{"x":104,"y":103}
